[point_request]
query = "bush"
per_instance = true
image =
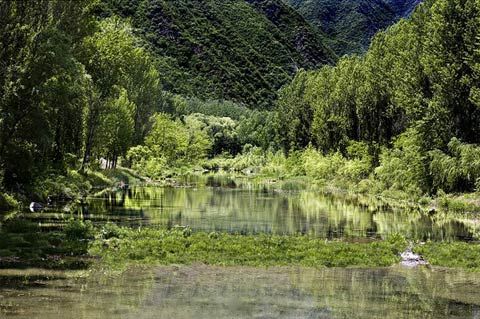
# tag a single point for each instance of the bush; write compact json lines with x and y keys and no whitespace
{"x":154,"y":167}
{"x":111,"y":230}
{"x":79,"y":230}
{"x":403,"y":167}
{"x":67,"y":186}
{"x":321,"y":168}
{"x":138,"y":155}
{"x":8,"y":202}
{"x":276,"y":165}
{"x":459,"y":170}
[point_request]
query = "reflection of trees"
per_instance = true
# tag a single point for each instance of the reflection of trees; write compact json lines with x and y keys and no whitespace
{"x":254,"y":209}
{"x":236,"y":292}
{"x":92,"y":296}
{"x":394,"y":292}
{"x":421,"y":226}
{"x":242,"y":292}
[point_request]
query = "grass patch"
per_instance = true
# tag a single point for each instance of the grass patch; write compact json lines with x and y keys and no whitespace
{"x":23,"y":244}
{"x":459,"y":203}
{"x":451,"y":255}
{"x":124,"y":246}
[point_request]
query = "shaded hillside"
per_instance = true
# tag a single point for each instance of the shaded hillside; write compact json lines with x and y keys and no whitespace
{"x":240,"y":50}
{"x":403,"y":8}
{"x":350,"y":24}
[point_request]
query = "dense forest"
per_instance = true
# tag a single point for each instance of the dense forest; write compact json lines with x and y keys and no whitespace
{"x":412,"y":102}
{"x":140,"y":85}
{"x":349,"y":25}
{"x":237,"y":50}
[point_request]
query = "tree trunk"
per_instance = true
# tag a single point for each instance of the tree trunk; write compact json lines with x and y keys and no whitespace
{"x":90,"y":135}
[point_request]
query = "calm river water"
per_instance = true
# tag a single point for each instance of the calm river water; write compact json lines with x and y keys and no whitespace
{"x":249,"y":208}
{"x":215,"y":292}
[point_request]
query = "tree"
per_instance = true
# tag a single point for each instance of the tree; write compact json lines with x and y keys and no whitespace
{"x":116,"y":61}
{"x":220,"y":130}
{"x":451,"y":58}
{"x":295,"y":114}
{"x":42,"y":85}
{"x":116,"y":130}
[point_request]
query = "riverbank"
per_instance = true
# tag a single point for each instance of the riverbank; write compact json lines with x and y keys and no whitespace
{"x":74,"y":185}
{"x":68,"y":187}
{"x":33,"y":240}
{"x":355,"y":174}
{"x":467,"y":204}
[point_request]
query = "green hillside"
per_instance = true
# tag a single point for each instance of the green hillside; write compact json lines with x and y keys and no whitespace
{"x":234,"y":50}
{"x":349,"y":24}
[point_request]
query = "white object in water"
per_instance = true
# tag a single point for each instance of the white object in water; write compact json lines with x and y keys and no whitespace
{"x":35,"y":207}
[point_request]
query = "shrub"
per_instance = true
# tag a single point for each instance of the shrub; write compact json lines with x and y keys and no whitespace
{"x":459,"y":170}
{"x":79,"y":230}
{"x":403,"y":167}
{"x":8,"y":202}
{"x":111,"y":230}
{"x":319,"y":167}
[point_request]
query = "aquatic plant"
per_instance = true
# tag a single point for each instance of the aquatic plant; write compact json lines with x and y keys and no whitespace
{"x":162,"y":246}
{"x":451,"y":255}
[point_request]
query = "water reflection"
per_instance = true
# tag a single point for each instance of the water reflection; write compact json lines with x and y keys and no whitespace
{"x":248,"y":209}
{"x":214,"y":292}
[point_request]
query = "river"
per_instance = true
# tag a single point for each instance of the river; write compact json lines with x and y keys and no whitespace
{"x":246,"y":207}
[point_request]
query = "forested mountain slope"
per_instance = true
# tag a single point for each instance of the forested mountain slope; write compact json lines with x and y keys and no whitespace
{"x":350,"y":24}
{"x":240,"y":50}
{"x":402,"y":8}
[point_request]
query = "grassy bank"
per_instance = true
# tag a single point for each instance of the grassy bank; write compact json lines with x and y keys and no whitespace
{"x":392,"y":180}
{"x":451,"y":255}
{"x":121,"y":246}
{"x":79,"y":245}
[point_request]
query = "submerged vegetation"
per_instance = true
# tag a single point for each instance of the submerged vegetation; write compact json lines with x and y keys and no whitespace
{"x":23,"y":244}
{"x":79,"y":245}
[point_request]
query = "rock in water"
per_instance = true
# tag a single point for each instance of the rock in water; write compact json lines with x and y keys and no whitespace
{"x":410,"y":259}
{"x":35,"y":207}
